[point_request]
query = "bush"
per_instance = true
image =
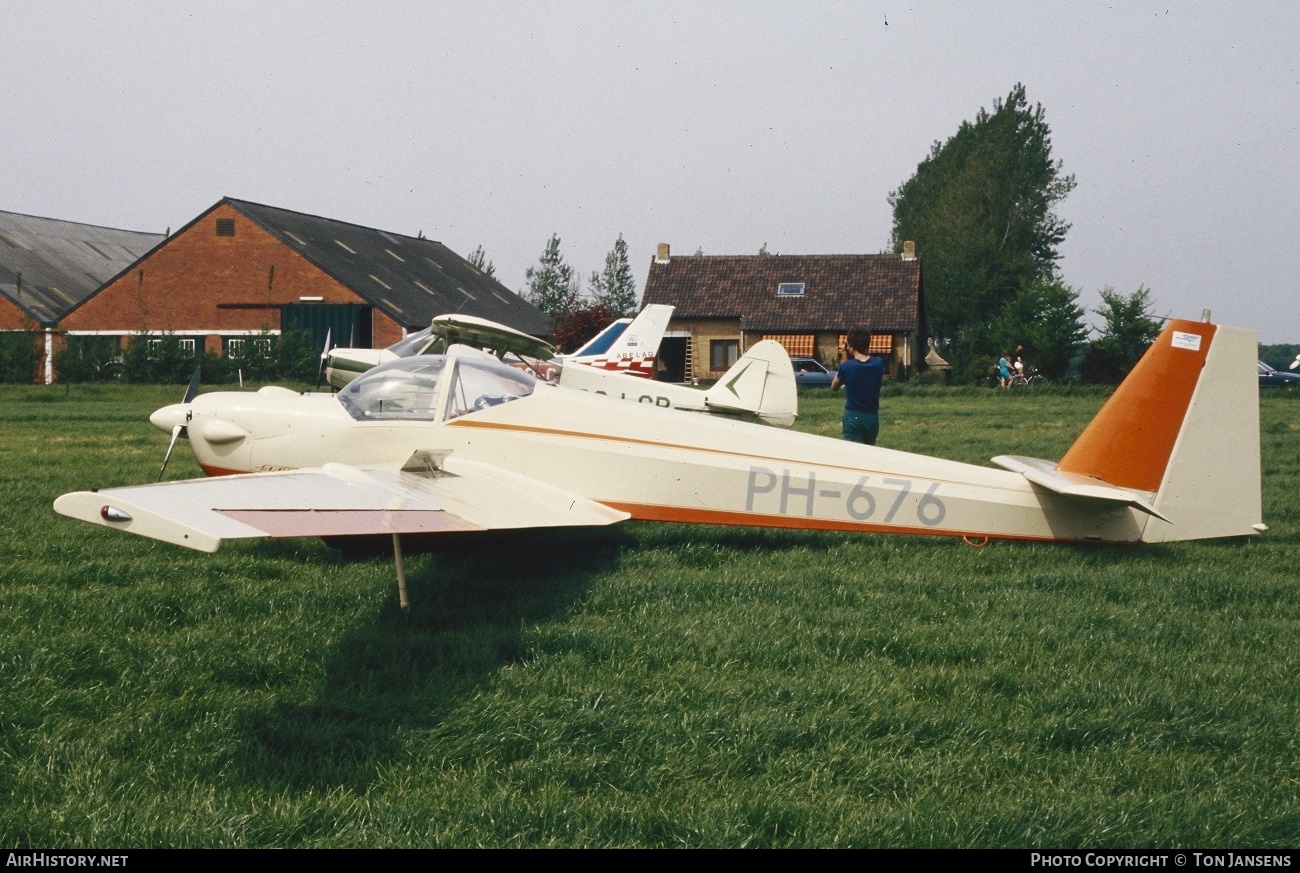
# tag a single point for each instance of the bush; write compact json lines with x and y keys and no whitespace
{"x":930,"y":376}
{"x":574,"y":329}
{"x":152,"y":360}
{"x":19,"y":353}
{"x":71,"y":366}
{"x":299,"y":357}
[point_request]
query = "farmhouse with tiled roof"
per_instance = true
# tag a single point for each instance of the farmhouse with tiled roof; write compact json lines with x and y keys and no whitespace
{"x":724,"y":304}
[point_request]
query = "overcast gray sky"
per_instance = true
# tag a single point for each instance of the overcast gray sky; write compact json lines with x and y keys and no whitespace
{"x":716,"y":126}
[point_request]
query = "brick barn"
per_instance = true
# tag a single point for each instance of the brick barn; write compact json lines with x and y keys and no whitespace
{"x":726,"y":303}
{"x":48,"y":267}
{"x":242,"y":269}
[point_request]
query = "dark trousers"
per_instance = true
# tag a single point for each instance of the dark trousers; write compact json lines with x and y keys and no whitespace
{"x":860,"y":427}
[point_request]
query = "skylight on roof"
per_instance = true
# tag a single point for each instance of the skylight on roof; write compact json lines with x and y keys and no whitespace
{"x":295,"y":238}
{"x":396,"y":255}
{"x":790,"y":289}
{"x":344,"y":247}
{"x":381,"y":282}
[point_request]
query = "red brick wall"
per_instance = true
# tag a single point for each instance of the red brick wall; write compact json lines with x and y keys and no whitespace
{"x":386,"y":330}
{"x":178,"y":287}
{"x":13,"y":318}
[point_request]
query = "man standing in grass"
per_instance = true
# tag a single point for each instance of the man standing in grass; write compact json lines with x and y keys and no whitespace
{"x":860,"y":375}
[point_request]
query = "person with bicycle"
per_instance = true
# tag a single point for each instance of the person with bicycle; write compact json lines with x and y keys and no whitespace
{"x":1004,"y":371}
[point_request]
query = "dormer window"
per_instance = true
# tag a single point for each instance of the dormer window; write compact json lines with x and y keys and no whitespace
{"x":789,"y":289}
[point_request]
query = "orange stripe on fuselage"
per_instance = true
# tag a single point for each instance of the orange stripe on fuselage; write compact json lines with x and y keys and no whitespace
{"x":1130,"y":441}
{"x":683,"y":515}
{"x":209,"y":470}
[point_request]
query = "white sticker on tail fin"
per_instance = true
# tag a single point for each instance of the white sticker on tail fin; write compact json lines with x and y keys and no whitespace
{"x":1189,"y":341}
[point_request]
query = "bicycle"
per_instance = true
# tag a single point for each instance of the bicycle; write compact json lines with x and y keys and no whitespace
{"x":1028,"y":379}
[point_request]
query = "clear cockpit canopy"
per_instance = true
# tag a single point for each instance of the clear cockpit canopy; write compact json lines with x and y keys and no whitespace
{"x":480,"y":383}
{"x":416,"y":388}
{"x":418,"y":343}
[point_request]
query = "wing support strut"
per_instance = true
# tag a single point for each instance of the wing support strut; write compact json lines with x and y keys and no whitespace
{"x":400,"y":562}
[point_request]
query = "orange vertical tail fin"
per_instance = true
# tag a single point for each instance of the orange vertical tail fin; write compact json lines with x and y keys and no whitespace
{"x":1184,"y":427}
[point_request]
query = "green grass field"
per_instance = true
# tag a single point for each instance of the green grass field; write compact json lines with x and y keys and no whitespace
{"x":643,"y":685}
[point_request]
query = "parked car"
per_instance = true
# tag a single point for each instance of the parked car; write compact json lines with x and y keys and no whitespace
{"x":809,"y":371}
{"x":1268,"y":377}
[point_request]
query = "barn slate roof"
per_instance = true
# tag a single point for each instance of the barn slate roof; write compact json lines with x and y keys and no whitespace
{"x":882,"y":292}
{"x":411,"y":279}
{"x":62,"y":263}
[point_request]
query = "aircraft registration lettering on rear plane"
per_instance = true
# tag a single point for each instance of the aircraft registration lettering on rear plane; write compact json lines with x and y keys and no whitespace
{"x":860,"y":502}
{"x":644,"y":398}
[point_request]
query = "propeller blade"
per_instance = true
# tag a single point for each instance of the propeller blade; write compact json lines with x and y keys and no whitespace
{"x":192,"y":391}
{"x":324,"y":356}
{"x":176,"y":432}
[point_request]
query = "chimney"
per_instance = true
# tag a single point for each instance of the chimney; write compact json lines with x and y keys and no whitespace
{"x":662,"y":256}
{"x":909,"y":251}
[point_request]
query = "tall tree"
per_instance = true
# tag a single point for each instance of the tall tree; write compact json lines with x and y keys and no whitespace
{"x":478,"y":260}
{"x":1046,"y":321}
{"x":1128,"y":328}
{"x":552,"y":284}
{"x":980,"y":210}
{"x":614,"y":288}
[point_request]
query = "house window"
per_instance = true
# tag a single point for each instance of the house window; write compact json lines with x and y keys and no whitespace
{"x":97,"y":348}
{"x":225,"y":227}
{"x":238,"y":345}
{"x":186,"y":344}
{"x":796,"y":345}
{"x":789,"y":289}
{"x":723,"y":353}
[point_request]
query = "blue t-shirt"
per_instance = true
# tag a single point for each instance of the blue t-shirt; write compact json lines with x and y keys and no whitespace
{"x":861,"y":383}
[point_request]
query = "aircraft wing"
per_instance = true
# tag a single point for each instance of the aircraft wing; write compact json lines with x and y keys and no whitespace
{"x":430,"y":494}
{"x":479,"y":332}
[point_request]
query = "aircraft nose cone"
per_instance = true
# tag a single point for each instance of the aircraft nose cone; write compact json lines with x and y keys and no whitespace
{"x":171,"y":416}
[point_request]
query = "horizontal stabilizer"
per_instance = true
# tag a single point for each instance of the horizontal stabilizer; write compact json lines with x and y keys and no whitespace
{"x":1045,"y":475}
{"x":761,"y":384}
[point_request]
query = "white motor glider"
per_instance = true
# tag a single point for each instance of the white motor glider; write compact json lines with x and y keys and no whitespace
{"x":627,"y":345}
{"x":462,"y":443}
